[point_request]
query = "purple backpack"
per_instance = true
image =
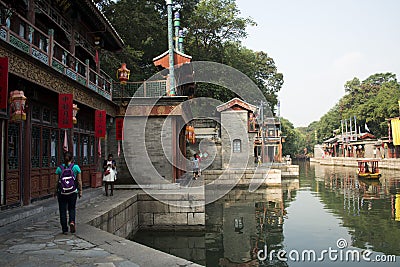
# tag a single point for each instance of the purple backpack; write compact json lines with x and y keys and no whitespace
{"x":67,"y":180}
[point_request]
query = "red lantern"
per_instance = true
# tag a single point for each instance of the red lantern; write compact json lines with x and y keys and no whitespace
{"x":123,"y":74}
{"x":190,"y":135}
{"x":193,"y":136}
{"x":17,"y":102}
{"x":187,"y":132}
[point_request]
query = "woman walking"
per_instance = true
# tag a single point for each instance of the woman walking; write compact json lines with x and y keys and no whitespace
{"x":110,"y":173}
{"x":69,"y":187}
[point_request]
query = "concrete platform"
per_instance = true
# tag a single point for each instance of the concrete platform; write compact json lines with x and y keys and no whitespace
{"x":35,"y":239}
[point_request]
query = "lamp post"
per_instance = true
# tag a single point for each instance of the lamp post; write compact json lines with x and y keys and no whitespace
{"x":177,"y":25}
{"x":171,"y":48}
{"x":262,"y":131}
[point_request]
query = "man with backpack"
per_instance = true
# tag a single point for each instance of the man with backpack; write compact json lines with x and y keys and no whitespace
{"x":69,"y":186}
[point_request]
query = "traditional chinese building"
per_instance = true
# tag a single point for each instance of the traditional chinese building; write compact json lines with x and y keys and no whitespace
{"x":51,"y":48}
{"x":259,"y":144}
{"x":238,"y":134}
{"x":155,"y":116}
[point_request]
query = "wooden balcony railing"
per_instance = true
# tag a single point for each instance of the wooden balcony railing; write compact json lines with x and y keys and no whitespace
{"x":45,"y":49}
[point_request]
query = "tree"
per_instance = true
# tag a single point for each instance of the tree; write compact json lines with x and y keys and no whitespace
{"x":214,"y":31}
{"x":372,"y":101}
{"x":258,"y":66}
{"x":294,"y":139}
{"x":213,"y":23}
{"x":143,"y":27}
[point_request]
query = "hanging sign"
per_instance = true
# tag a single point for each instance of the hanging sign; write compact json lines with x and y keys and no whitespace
{"x":100,"y":124}
{"x":119,"y":127}
{"x":3,"y":82}
{"x":65,"y":112}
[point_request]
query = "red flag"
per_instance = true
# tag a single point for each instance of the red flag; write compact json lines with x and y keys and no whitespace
{"x":3,"y":82}
{"x":65,"y":102}
{"x":119,"y":129}
{"x":100,"y":124}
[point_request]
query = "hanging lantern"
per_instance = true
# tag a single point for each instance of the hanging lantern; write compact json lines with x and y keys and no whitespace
{"x":123,"y":74}
{"x":17,"y":104}
{"x":193,"y":137}
{"x":190,"y":135}
{"x":187,"y":133}
{"x":75,"y":110}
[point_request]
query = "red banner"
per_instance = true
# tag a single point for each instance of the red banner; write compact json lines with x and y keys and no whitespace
{"x":3,"y":82}
{"x":65,"y":102}
{"x":100,"y":123}
{"x":119,"y":127}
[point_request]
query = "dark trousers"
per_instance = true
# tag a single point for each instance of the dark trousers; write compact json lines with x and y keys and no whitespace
{"x":67,"y":202}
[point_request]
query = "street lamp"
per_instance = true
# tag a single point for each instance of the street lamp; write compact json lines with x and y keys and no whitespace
{"x":171,"y":48}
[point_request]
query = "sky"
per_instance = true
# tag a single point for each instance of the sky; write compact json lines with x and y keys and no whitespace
{"x":318,"y":45}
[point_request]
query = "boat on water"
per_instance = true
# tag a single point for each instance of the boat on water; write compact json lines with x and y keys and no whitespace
{"x":368,"y":168}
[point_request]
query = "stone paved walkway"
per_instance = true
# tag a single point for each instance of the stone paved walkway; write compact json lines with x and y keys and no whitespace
{"x":38,"y":241}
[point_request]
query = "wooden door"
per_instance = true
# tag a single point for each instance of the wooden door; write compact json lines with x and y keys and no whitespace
{"x":13,"y":162}
{"x":44,"y":161}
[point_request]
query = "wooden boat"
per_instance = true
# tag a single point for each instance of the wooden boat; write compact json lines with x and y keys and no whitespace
{"x":368,"y":168}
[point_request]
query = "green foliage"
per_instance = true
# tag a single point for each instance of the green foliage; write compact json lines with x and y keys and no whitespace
{"x":143,"y":27}
{"x":215,"y":29}
{"x":214,"y":34}
{"x":258,"y":66}
{"x":372,"y":101}
{"x":294,"y":139}
{"x":213,"y":23}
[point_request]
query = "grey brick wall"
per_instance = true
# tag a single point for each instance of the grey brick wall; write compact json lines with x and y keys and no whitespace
{"x":144,"y":153}
{"x":234,"y":126}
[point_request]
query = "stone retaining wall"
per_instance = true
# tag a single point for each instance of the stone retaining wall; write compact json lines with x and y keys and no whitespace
{"x":169,"y":211}
{"x":122,"y":220}
{"x":391,"y":164}
{"x":165,"y":212}
{"x":242,"y":178}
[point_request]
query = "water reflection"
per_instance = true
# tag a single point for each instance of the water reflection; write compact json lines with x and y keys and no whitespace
{"x":367,"y":208}
{"x":312,"y":212}
{"x":242,"y":223}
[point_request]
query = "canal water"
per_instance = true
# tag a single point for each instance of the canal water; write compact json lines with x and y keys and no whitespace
{"x":326,"y":217}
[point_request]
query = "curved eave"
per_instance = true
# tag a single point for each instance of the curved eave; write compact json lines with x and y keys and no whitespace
{"x":179,"y":59}
{"x":112,"y":37}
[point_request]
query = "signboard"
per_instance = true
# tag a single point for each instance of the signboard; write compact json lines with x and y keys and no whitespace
{"x":3,"y":82}
{"x":119,"y":125}
{"x":65,"y":102}
{"x":100,"y":124}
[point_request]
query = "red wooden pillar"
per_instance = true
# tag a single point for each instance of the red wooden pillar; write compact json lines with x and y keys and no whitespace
{"x":26,"y":155}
